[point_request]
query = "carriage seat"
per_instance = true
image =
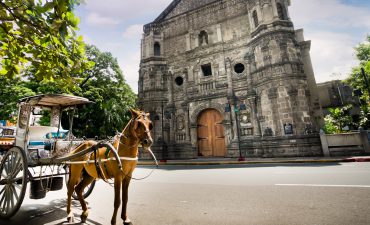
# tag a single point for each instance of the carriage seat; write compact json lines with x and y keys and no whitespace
{"x":38,"y":134}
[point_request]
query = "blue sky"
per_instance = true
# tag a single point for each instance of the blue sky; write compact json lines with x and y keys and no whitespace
{"x":333,"y":26}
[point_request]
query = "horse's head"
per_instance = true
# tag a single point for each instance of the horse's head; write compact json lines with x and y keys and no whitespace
{"x":142,"y":125}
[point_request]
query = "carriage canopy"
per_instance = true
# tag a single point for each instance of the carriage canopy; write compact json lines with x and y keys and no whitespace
{"x":51,"y":100}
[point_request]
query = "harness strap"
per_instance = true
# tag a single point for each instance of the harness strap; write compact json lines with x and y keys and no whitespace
{"x":97,"y":166}
{"x":102,"y":160}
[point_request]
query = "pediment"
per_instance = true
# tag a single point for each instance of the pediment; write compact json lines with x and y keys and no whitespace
{"x":178,"y":7}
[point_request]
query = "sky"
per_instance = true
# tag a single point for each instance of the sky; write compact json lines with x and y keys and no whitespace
{"x":334,"y":27}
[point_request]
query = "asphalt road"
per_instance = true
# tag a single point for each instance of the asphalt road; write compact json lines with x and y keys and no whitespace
{"x":301,"y":194}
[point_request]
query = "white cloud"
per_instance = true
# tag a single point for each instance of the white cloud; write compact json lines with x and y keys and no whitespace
{"x":329,"y":12}
{"x":334,"y":29}
{"x":133,"y":32}
{"x":127,"y":9}
{"x":332,"y":55}
{"x":96,"y":19}
{"x":130,"y":68}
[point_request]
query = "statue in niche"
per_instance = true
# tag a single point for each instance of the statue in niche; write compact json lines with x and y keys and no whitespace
{"x":309,"y":129}
{"x":268,"y":132}
{"x":203,"y":38}
{"x":180,"y":123}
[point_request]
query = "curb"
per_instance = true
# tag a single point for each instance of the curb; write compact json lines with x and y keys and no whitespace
{"x":357,"y":159}
{"x":184,"y":163}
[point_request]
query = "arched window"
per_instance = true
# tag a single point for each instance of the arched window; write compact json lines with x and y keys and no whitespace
{"x":280,"y":11}
{"x":203,"y":38}
{"x":157,"y":49}
{"x":255,"y":18}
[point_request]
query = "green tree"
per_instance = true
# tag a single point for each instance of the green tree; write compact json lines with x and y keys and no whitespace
{"x":357,"y":81}
{"x":41,"y":34}
{"x":337,"y":119}
{"x":105,"y":85}
{"x":10,"y":92}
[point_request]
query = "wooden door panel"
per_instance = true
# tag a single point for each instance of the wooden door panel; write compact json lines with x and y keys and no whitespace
{"x":219,"y":147}
{"x":211,"y":137}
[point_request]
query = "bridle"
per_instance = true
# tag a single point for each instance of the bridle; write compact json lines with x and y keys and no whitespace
{"x":122,"y":135}
{"x":129,"y":124}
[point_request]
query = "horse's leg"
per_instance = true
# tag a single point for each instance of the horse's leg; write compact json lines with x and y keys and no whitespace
{"x":117,"y":198}
{"x":86,"y":180}
{"x":125,"y":185}
{"x":74,"y":178}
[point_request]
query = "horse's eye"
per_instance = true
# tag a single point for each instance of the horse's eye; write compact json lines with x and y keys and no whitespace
{"x":150,"y":126}
{"x":139,"y":125}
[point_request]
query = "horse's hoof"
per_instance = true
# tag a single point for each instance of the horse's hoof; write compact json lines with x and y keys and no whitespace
{"x":84,"y":217}
{"x":71,"y":219}
{"x":127,"y":222}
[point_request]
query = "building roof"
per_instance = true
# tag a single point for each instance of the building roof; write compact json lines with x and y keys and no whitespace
{"x":190,"y":5}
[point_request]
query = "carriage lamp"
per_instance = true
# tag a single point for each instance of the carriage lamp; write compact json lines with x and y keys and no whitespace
{"x":227,"y":107}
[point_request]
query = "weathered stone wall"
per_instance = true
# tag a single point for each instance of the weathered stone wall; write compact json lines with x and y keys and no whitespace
{"x":259,"y":63}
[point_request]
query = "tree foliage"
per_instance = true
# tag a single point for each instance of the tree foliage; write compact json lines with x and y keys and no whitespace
{"x":41,"y":53}
{"x":338,"y":119}
{"x":103,"y":83}
{"x":106,"y":86}
{"x":11,"y":90}
{"x":357,"y":81}
{"x":41,"y":34}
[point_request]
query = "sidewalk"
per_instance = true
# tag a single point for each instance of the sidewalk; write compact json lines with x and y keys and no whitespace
{"x":231,"y":161}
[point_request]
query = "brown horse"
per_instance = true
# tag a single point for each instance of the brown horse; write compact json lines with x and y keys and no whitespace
{"x":136,"y":132}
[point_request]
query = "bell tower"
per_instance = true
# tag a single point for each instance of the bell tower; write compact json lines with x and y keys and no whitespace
{"x":281,"y":69}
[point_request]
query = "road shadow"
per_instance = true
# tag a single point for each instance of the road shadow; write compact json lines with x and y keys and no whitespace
{"x":53,"y":213}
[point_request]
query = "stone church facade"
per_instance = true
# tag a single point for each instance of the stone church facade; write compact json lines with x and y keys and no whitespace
{"x":229,"y":78}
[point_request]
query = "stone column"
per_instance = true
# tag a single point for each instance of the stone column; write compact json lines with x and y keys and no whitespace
{"x":273,"y":96}
{"x":286,"y":4}
{"x":219,"y":33}
{"x":274,"y":9}
{"x":294,"y":107}
{"x":187,"y":37}
{"x":230,"y":90}
{"x":260,"y":13}
{"x":170,"y":87}
{"x":230,"y":96}
{"x":187,"y":123}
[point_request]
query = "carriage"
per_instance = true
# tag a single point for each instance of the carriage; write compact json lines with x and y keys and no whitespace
{"x":41,"y":151}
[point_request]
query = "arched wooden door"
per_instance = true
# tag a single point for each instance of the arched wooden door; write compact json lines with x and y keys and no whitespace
{"x":211,"y":137}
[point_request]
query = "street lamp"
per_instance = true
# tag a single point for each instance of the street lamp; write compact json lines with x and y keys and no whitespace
{"x":242,"y":106}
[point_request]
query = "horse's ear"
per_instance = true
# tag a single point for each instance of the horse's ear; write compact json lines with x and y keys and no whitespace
{"x":134,"y":113}
{"x":147,"y":115}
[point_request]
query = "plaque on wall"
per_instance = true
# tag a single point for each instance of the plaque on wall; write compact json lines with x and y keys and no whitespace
{"x":288,"y":128}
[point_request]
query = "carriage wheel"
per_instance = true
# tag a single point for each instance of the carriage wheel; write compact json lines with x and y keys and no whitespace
{"x":87,"y":191}
{"x":13,"y":181}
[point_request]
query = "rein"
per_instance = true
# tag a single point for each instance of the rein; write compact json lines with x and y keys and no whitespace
{"x":156,"y":167}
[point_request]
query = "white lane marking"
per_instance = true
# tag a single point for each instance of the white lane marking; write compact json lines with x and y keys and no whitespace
{"x":324,"y":185}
